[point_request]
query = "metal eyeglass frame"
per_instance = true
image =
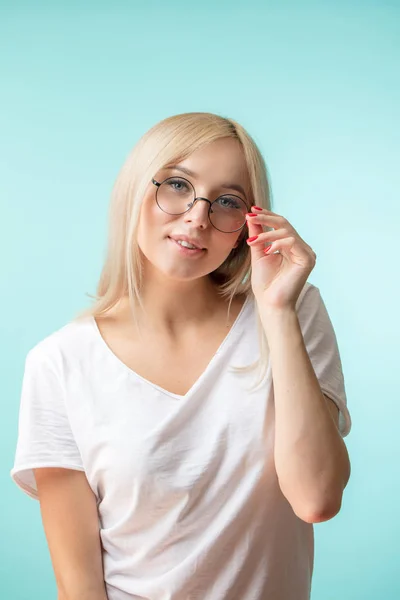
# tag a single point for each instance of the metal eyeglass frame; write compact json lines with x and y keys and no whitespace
{"x":158,"y":184}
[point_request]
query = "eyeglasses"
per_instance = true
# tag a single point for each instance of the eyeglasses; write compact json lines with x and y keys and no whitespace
{"x":176,"y":196}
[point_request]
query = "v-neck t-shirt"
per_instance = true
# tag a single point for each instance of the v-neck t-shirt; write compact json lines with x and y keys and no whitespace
{"x":188,"y":498}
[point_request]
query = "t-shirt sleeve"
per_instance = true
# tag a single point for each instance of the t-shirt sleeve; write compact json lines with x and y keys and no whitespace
{"x":45,"y":438}
{"x":322,"y":347}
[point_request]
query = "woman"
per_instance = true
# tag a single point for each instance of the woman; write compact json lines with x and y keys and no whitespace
{"x":184,"y":433}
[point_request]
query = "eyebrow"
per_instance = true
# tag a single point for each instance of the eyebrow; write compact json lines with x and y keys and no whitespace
{"x":227,"y":186}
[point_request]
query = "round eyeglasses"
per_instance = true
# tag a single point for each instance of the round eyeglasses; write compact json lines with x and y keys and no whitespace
{"x":176,"y":196}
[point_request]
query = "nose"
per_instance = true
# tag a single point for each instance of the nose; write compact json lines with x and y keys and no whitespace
{"x":198,"y":214}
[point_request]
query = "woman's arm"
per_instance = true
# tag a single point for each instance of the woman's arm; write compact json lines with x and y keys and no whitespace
{"x":70,"y":520}
{"x":311,"y":457}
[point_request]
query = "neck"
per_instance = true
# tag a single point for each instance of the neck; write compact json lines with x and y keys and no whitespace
{"x":170,"y":305}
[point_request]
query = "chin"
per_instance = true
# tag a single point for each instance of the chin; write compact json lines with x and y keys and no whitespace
{"x":182,"y":275}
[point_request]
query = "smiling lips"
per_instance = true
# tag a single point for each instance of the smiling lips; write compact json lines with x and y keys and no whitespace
{"x":187,"y":242}
{"x":184,"y":248}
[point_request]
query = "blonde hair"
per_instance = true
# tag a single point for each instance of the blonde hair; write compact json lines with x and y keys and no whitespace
{"x":170,"y":141}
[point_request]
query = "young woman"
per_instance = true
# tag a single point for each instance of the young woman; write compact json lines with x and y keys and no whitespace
{"x":184,"y":433}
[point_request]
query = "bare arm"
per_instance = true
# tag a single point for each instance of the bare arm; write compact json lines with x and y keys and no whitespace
{"x":70,"y":521}
{"x":311,"y":457}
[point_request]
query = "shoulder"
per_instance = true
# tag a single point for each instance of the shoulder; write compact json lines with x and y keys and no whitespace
{"x":311,"y":311}
{"x":309,"y":296}
{"x":58,"y":347}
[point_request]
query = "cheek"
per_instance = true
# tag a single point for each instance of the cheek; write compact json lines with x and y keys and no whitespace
{"x":152,"y":223}
{"x":221,"y":247}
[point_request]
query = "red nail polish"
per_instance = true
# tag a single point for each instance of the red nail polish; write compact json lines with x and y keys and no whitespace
{"x":257,"y":207}
{"x":251,"y":239}
{"x":266,"y":250}
{"x":251,"y":214}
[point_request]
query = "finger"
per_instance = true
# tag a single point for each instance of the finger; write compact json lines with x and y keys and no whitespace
{"x":286,"y":246}
{"x":268,"y":220}
{"x":255,"y":230}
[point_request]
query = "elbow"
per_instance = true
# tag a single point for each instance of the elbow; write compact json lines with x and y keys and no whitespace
{"x":316,"y":505}
{"x":321,"y":508}
{"x":320,"y":513}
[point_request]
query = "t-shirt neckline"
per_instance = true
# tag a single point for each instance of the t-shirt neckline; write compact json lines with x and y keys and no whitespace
{"x":222,"y":347}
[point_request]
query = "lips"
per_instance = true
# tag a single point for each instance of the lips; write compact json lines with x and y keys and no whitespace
{"x":185,"y":238}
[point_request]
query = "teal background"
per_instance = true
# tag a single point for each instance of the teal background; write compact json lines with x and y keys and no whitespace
{"x":317,"y":85}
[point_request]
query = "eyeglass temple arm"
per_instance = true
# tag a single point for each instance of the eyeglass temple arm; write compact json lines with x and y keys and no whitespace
{"x":155,"y":182}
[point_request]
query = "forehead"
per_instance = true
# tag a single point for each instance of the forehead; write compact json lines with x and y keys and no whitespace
{"x":225,"y":156}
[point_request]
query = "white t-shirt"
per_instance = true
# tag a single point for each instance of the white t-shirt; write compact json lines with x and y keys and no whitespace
{"x":188,"y":498}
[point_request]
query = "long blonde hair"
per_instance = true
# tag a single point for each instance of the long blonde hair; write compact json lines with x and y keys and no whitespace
{"x":172,"y":140}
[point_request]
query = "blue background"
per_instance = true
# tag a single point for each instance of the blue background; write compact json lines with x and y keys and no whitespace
{"x":317,"y":86}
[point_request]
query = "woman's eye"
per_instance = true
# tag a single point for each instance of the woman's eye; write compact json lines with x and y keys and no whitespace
{"x":178,"y":185}
{"x":227,"y":202}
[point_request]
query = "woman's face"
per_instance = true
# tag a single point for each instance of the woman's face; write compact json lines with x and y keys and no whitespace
{"x":215,"y":168}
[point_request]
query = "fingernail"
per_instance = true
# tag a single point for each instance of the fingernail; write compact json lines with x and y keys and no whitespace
{"x":266,"y":250}
{"x":251,"y":239}
{"x":251,"y":214}
{"x":257,"y":207}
